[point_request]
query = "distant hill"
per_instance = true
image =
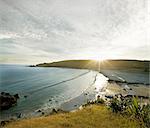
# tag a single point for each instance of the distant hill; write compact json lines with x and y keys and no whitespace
{"x":96,"y":65}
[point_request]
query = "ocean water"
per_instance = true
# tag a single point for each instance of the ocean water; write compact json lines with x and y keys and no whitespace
{"x":45,"y":88}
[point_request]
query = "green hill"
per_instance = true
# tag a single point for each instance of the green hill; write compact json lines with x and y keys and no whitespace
{"x":96,"y":65}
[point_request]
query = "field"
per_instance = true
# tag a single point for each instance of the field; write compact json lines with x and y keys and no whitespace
{"x":95,"y":116}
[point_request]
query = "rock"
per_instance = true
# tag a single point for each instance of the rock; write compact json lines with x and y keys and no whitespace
{"x":25,"y":96}
{"x":16,"y":96}
{"x":124,"y":89}
{"x":130,"y":96}
{"x":7,"y":100}
{"x":39,"y":111}
{"x":3,"y":123}
{"x":54,"y":110}
{"x":109,"y":96}
{"x":85,"y":93}
{"x":144,"y":97}
{"x":60,"y":111}
{"x":32,"y":66}
{"x":2,"y":93}
{"x":75,"y":105}
{"x":19,"y":115}
{"x":98,"y":97}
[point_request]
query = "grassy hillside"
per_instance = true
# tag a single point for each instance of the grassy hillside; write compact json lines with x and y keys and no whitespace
{"x":96,"y":116}
{"x":95,"y":65}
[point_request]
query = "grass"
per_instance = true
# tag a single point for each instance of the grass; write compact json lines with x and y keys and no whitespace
{"x":106,"y":64}
{"x":95,"y":116}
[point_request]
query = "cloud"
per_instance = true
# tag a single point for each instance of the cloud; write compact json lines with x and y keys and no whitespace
{"x":67,"y":29}
{"x":8,"y":35}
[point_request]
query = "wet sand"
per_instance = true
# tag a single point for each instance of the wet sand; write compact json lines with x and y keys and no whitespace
{"x":90,"y":94}
{"x":107,"y":89}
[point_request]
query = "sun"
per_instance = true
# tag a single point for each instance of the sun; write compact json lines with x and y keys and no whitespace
{"x":100,"y":59}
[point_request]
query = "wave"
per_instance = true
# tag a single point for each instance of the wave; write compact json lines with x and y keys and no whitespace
{"x":52,"y":85}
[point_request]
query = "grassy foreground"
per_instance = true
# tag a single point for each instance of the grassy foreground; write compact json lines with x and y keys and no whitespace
{"x":95,"y":116}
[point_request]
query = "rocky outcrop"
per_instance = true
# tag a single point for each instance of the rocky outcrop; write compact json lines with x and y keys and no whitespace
{"x":7,"y":100}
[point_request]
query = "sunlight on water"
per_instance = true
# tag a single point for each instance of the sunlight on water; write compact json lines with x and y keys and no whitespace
{"x":101,"y":82}
{"x":42,"y":88}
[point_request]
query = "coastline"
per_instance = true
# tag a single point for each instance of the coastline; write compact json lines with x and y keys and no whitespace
{"x":109,"y":88}
{"x":89,"y":94}
{"x":75,"y":104}
{"x":113,"y":87}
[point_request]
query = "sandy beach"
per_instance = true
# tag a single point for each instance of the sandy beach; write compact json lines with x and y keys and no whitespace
{"x":107,"y":89}
{"x":90,"y":94}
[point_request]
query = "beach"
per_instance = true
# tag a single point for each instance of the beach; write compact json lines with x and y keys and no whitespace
{"x":90,"y":94}
{"x":107,"y":90}
{"x":41,"y":90}
{"x":62,"y":89}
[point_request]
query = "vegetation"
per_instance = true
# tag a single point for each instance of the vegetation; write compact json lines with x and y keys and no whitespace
{"x":99,"y":101}
{"x":106,"y":64}
{"x":132,"y":108}
{"x":92,"y":116}
{"x":126,"y":112}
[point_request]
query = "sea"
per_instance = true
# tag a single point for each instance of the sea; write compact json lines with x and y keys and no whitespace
{"x":45,"y":88}
{"x":41,"y":88}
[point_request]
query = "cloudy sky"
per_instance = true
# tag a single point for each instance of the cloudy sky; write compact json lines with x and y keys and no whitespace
{"x":34,"y":31}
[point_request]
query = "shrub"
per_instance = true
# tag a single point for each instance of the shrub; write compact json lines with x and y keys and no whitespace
{"x":140,"y":112}
{"x":131,"y":107}
{"x":115,"y":105}
{"x":100,"y":101}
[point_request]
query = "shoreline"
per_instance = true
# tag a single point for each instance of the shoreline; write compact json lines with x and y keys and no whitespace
{"x":87,"y":95}
{"x":90,"y":94}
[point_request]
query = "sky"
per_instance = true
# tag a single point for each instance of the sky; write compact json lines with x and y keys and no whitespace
{"x":36,"y":31}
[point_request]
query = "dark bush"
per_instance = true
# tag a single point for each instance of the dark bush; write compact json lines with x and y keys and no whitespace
{"x":131,"y":107}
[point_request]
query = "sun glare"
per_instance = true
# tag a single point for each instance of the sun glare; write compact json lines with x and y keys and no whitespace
{"x":100,"y":59}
